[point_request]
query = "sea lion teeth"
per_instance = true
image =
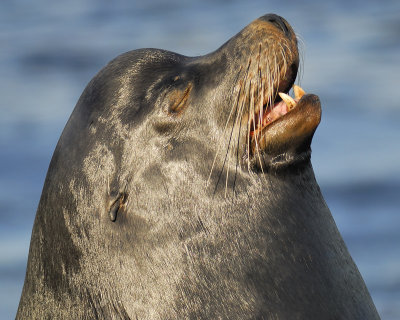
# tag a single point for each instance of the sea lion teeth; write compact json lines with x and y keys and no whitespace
{"x":290,"y":102}
{"x":298,"y":92}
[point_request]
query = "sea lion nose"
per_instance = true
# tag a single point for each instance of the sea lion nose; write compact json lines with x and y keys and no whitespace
{"x":278,"y":22}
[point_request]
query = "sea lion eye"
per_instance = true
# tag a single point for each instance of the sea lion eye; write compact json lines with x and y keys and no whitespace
{"x":178,"y":99}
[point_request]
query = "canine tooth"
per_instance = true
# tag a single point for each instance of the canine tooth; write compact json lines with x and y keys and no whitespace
{"x":298,"y":92}
{"x":288,"y":100}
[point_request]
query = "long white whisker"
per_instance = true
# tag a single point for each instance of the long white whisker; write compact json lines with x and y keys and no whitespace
{"x":220,"y":138}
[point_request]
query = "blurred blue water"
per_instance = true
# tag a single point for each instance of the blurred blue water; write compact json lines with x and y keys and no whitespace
{"x":351,"y":52}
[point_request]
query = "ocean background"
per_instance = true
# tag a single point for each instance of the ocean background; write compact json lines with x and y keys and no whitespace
{"x":351,"y":59}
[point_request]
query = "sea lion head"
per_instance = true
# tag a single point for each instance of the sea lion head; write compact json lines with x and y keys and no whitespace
{"x":232,"y":99}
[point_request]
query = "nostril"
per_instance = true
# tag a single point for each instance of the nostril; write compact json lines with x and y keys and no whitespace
{"x":278,"y":22}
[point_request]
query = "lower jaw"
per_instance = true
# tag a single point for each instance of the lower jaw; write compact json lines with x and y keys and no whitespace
{"x":287,"y":140}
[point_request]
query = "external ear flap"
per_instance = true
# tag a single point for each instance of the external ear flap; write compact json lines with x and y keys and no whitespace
{"x":117,"y":204}
{"x":178,"y":100}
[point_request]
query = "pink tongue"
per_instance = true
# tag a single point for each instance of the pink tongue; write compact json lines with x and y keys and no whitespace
{"x":278,"y":110}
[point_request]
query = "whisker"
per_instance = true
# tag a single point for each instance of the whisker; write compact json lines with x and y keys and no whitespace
{"x":229,"y":144}
{"x":255,"y":137}
{"x":301,"y":49}
{"x":282,"y":51}
{"x":239,"y":119}
{"x":248,"y":131}
{"x":239,"y":95}
{"x":237,"y":147}
{"x":260,"y":93}
{"x":226,"y":156}
{"x":276,"y":78}
{"x":220,"y":138}
{"x":244,"y":99}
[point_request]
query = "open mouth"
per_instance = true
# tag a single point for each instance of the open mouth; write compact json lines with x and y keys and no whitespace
{"x":270,"y":112}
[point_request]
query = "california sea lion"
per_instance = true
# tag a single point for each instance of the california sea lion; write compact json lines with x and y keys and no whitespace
{"x":182,"y":188}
